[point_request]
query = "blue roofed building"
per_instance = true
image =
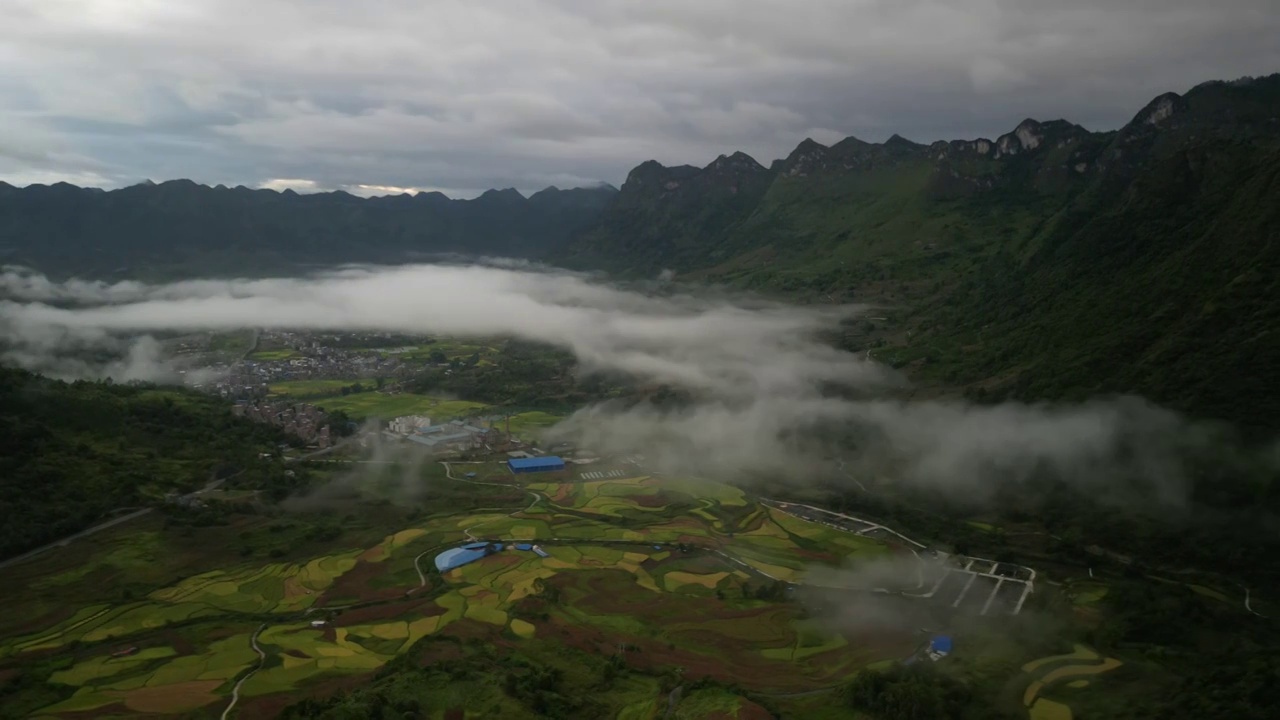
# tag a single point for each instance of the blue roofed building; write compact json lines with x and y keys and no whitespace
{"x":548,"y":463}
{"x":459,"y":556}
{"x":940,"y":647}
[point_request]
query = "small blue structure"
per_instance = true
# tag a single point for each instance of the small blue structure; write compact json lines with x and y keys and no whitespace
{"x":524,"y":546}
{"x":459,"y":556}
{"x":470,"y":475}
{"x":548,"y":463}
{"x":540,"y":552}
{"x":940,"y":646}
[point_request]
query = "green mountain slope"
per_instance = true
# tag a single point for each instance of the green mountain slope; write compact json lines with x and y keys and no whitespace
{"x":71,"y":453}
{"x":181,"y":229}
{"x":1050,"y":262}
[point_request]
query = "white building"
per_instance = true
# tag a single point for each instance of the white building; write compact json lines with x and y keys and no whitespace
{"x":409,"y":424}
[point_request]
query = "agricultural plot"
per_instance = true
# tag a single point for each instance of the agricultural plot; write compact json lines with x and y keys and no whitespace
{"x":277,"y":587}
{"x":305,"y":654}
{"x":385,"y":405}
{"x":155,"y":679}
{"x":1061,"y":670}
{"x":672,"y":567}
{"x":312,"y":388}
{"x":531,"y":424}
{"x":283,"y":354}
{"x":758,"y":644}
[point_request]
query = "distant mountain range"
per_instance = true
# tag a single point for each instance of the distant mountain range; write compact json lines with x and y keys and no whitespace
{"x":1049,"y":262}
{"x":181,"y":229}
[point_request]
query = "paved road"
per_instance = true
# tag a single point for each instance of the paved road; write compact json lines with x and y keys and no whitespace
{"x":262,"y":658}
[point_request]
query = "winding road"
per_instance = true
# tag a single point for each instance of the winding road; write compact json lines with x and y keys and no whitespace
{"x":422,"y":577}
{"x":448,"y":471}
{"x":262,"y":658}
{"x":1246,"y":603}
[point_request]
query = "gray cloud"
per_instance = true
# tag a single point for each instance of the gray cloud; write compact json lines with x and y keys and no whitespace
{"x":759,"y":375}
{"x":465,"y":96}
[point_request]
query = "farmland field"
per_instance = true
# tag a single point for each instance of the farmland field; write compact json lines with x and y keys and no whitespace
{"x":678,"y":572}
{"x":273,"y":354}
{"x":384,"y":405}
{"x":312,"y":388}
{"x":531,"y":424}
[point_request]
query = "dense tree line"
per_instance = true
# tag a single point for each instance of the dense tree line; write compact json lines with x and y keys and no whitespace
{"x":72,"y":452}
{"x":917,"y":692}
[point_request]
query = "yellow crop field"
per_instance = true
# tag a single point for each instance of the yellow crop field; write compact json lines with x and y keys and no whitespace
{"x":523,"y":629}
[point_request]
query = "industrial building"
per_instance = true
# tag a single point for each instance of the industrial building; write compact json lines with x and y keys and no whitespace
{"x":407,"y":424}
{"x":548,"y":463}
{"x":459,"y":556}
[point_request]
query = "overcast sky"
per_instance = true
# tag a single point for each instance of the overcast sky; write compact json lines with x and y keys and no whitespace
{"x":462,"y":95}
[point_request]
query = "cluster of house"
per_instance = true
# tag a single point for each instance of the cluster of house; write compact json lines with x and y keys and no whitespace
{"x":305,"y":422}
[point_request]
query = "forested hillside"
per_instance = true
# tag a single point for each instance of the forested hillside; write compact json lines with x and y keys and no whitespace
{"x":1051,"y":262}
{"x":70,"y":453}
{"x":180,"y":229}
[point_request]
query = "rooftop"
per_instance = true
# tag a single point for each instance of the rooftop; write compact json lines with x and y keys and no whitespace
{"x":547,"y":461}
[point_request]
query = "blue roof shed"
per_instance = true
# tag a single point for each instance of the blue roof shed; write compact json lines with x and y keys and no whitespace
{"x":459,"y":556}
{"x":549,"y":463}
{"x":941,"y":644}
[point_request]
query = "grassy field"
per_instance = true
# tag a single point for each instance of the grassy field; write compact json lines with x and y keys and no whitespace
{"x":313,"y":388}
{"x":284,"y":354}
{"x":531,"y":424}
{"x":383,"y":405}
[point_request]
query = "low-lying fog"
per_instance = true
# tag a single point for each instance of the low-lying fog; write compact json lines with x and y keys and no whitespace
{"x":759,"y":372}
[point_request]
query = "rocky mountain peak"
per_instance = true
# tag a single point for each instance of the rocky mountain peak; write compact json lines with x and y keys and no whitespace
{"x":738,"y":162}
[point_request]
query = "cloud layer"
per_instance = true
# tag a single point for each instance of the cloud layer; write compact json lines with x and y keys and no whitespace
{"x":464,"y":96}
{"x":760,"y":375}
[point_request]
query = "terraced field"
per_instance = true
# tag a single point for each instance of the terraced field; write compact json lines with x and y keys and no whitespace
{"x":670,"y":567}
{"x":1071,"y":670}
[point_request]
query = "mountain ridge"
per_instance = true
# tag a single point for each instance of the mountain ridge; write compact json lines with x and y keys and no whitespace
{"x":179,"y":228}
{"x":1050,"y":262}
